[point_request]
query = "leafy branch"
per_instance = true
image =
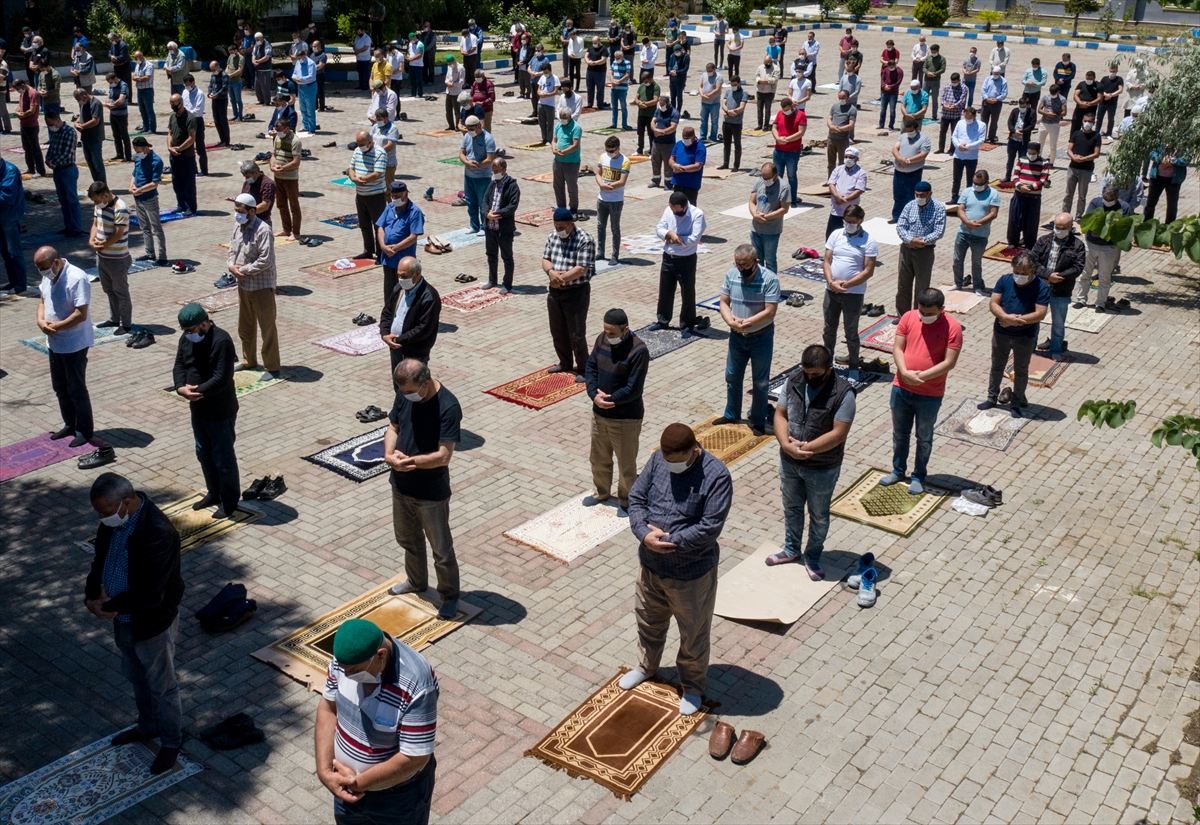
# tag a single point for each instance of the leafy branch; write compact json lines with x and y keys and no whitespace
{"x":1112,"y":413}
{"x":1179,"y":431}
{"x":1182,"y":235}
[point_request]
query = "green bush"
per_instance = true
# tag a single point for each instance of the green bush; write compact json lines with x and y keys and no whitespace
{"x":737,"y":12}
{"x":858,"y":8}
{"x":932,"y":12}
{"x":649,"y":17}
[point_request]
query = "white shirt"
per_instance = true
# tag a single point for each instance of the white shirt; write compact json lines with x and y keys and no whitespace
{"x":574,"y":105}
{"x":385,"y":98}
{"x":811,"y":48}
{"x":362,"y":47}
{"x":920,"y":51}
{"x":576,"y":47}
{"x":72,"y":288}
{"x":545,"y":85}
{"x":850,"y":253}
{"x":402,"y":305}
{"x":416,"y":54}
{"x":455,"y":75}
{"x":1000,"y":56}
{"x":396,"y":61}
{"x":800,"y":87}
{"x":611,"y":170}
{"x":649,"y":55}
{"x":468,"y":44}
{"x":193,"y":100}
{"x":689,"y":227}
{"x":515,"y":28}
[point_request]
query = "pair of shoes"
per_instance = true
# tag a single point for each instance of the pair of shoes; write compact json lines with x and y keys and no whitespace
{"x":265,"y":489}
{"x":182,"y":268}
{"x":225,"y":281}
{"x":464,"y":278}
{"x":97,"y":458}
{"x":364,"y":320}
{"x":874,"y":310}
{"x":1005,"y":396}
{"x":234,"y":732}
{"x":580,"y":217}
{"x":984,"y":494}
{"x":795,"y":300}
{"x":721,"y":744}
{"x":369,"y":414}
{"x":877,"y":365}
{"x":863,"y":580}
{"x":140,"y":339}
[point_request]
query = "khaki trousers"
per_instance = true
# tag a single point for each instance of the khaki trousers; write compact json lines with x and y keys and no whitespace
{"x":287,"y":198}
{"x":690,"y":603}
{"x":256,"y":310}
{"x":619,"y":436}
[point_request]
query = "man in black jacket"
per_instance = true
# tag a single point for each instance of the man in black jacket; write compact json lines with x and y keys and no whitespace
{"x":135,"y":583}
{"x":203,"y":374}
{"x":1060,"y":255}
{"x":501,"y":200}
{"x":408,"y":322}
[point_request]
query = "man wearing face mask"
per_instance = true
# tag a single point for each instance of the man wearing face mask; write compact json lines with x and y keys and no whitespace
{"x":134,"y":582}
{"x":379,"y":767}
{"x":1025,"y":208}
{"x":193,"y":101}
{"x":770,"y":200}
{"x":733,"y":107}
{"x":788,"y":131}
{"x":677,"y":510}
{"x":304,"y":75}
{"x":1102,"y":256}
{"x":1060,"y":256}
{"x":477,"y":151}
{"x":569,"y":261}
{"x":1087,"y":101}
{"x":568,"y":100}
{"x":367,"y":168}
{"x":965,"y":142}
{"x":408,"y":322}
{"x":218,"y":93}
{"x":680,"y":228}
{"x":840,"y":122}
{"x":544,"y":108}
{"x":110,"y":240}
{"x":385,"y":134}
{"x":850,"y":255}
{"x":750,"y":296}
{"x":922,"y":224}
{"x":687,"y":165}
{"x":812,"y":421}
{"x":501,"y":201}
{"x":91,"y":134}
{"x":977,"y":208}
{"x":1052,"y":107}
{"x":251,"y":261}
{"x":1082,"y":150}
{"x":915,"y":103}
{"x":992,"y":97}
{"x":424,"y":429}
{"x":60,"y":158}
{"x":954,"y":102}
{"x":766,"y":81}
{"x":398,"y":228}
{"x":203,"y":376}
{"x":1020,"y":131}
{"x":846,"y":185}
{"x":710,"y":101}
{"x":678,"y":62}
{"x":612,"y":174}
{"x":258,"y":186}
{"x":118,"y":116}
{"x":662,"y":144}
{"x":1019,"y":303}
{"x":176,"y":67}
{"x":1111,"y":86}
{"x":615,"y":377}
{"x":285,"y":165}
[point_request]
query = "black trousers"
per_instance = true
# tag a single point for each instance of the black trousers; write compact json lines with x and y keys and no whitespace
{"x":644,"y":133}
{"x":764,"y":102}
{"x":735,"y":65}
{"x":1158,"y":186}
{"x":34,"y":162}
{"x":1024,"y":215}
{"x":183,"y":180}
{"x":678,"y":86}
{"x":369,"y":208}
{"x":990,"y":112}
{"x":218,"y":461}
{"x":946,"y":129}
{"x":719,"y":52}
{"x":220,"y":113}
{"x":68,"y":378}
{"x":595,"y":89}
{"x":732,"y":132}
{"x":320,"y":91}
{"x":960,"y":167}
{"x":120,"y":135}
{"x":125,"y":72}
{"x":1109,"y":108}
{"x":681,"y":270}
{"x":1016,"y":148}
{"x":451,"y":112}
{"x":568,"y":310}
{"x":574,"y":64}
{"x":391,"y":278}
{"x":201,"y":153}
{"x":427,"y":69}
{"x":546,"y":117}
{"x":692,"y":193}
{"x":499,"y":245}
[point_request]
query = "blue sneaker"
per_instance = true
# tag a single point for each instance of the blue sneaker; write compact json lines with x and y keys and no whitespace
{"x":225,"y":281}
{"x":866,"y":588}
{"x":865,"y":562}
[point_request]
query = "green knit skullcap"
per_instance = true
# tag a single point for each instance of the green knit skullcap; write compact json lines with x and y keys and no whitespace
{"x":356,"y":641}
{"x":191,"y":315}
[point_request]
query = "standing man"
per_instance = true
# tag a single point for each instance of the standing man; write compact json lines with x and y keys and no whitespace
{"x":999,"y":57}
{"x":398,"y":228}
{"x":1064,"y":73}
{"x":203,"y":376}
{"x":251,"y":261}
{"x":181,"y":140}
{"x":788,"y":131}
{"x":920,"y":53}
{"x":454,"y":79}
{"x":1019,"y":302}
{"x":710,"y":87}
{"x":927,"y":345}
{"x":320,"y":57}
{"x":362,"y":56}
{"x":1102,"y":256}
{"x":846,"y":185}
{"x":648,"y":93}
{"x":194,"y":102}
{"x":1111,"y":86}
{"x":377,"y":769}
{"x":568,"y":134}
{"x":678,"y":63}
{"x":677,"y":510}
{"x":83,"y":67}
{"x":134,"y":582}
{"x":367,"y":168}
{"x":91,"y":134}
{"x":770,"y":200}
{"x":662,"y":144}
{"x":596,"y":59}
{"x":766,"y":81}
{"x":954,"y":102}
{"x":569,"y":261}
{"x":545,"y":94}
{"x":680,"y":228}
{"x":118,"y":55}
{"x":922,"y":224}
{"x":143,"y":79}
{"x":408,"y":322}
{"x":977,"y":208}
{"x":424,"y":429}
{"x":60,"y":157}
{"x":29,"y":103}
{"x":12,"y":211}
{"x":1033,"y":81}
{"x":840,"y":122}
{"x":908,"y":155}
{"x":615,"y":377}
{"x":428,"y":38}
{"x":850,"y":255}
{"x":891,"y":77}
{"x":612,"y":173}
{"x":49,"y":84}
{"x":750,"y":296}
{"x":110,"y":239}
{"x":1082,"y":149}
{"x":1052,"y":107}
{"x":176,"y":67}
{"x":143,"y":185}
{"x":968,"y":136}
{"x":261,"y":58}
{"x":1025,"y":208}
{"x":260,"y":187}
{"x":992,"y":97}
{"x":620,"y":73}
{"x":915,"y":103}
{"x":218,"y":93}
{"x":719,"y":29}
{"x":285,"y":166}
{"x":1087,"y":100}
{"x":687,"y":165}
{"x":845,"y":47}
{"x":733,"y":107}
{"x":648,"y":56}
{"x":971,"y":68}
{"x":932,"y":71}
{"x":304,"y":75}
{"x":812,"y":421}
{"x":1020,"y":130}
{"x":415,"y":60}
{"x":1060,"y":257}
{"x":235,"y":70}
{"x":477,"y":151}
{"x":501,"y":200}
{"x":468,"y":46}
{"x":812,"y":48}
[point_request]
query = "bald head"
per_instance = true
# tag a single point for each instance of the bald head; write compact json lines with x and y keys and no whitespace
{"x":1063,"y":220}
{"x":176,"y":100}
{"x":409,"y":267}
{"x":362,"y":139}
{"x":44,"y":257}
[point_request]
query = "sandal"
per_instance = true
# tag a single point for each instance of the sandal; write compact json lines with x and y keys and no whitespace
{"x":369,"y":414}
{"x":464,"y":278}
{"x":1123,"y":303}
{"x":364,"y":320}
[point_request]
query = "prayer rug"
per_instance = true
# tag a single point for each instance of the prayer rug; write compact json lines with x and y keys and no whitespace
{"x":134,"y":266}
{"x":440,"y":133}
{"x":729,"y":442}
{"x":607,"y":130}
{"x":280,"y":240}
{"x":1001,"y":186}
{"x":35,"y":453}
{"x":619,"y":738}
{"x":935,"y":157}
{"x":811,"y":269}
{"x":995,"y":428}
{"x":412,"y":618}
{"x":460,"y":238}
{"x":544,"y":177}
{"x":196,"y":527}
{"x":602,"y":267}
{"x":651,"y":245}
{"x":888,"y":508}
{"x":713,"y":303}
{"x":1085,"y":319}
{"x":451,"y":161}
{"x":882,"y":231}
{"x":879,"y":335}
{"x":244,"y":382}
{"x":638,"y":159}
{"x":961,"y":301}
{"x":517,"y":121}
{"x":530,"y":147}
{"x":987,"y":147}
{"x":754,"y":592}
{"x":329,"y":270}
{"x":756,"y":132}
{"x":1001,"y":251}
{"x":89,"y":785}
{"x":217,"y":301}
{"x":857,"y":378}
{"x":472,"y":298}
{"x":570,"y":529}
{"x":539,"y":217}
{"x":450,"y":200}
{"x":539,"y":390}
{"x":101,"y":335}
{"x":587,"y":110}
{"x":164,"y":217}
{"x":358,"y":341}
{"x":344,"y":221}
{"x":342,"y":182}
{"x":358,"y":458}
{"x":1044,"y":370}
{"x":742,"y":210}
{"x":661,"y":341}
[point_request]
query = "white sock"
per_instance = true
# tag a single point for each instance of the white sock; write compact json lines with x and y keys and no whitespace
{"x":632,"y":679}
{"x":689,"y":703}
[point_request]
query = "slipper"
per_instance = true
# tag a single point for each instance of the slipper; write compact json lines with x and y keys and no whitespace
{"x":369,"y":414}
{"x":1123,"y":303}
{"x":364,"y":320}
{"x":308,"y":240}
{"x":464,"y":278}
{"x":305,"y":153}
{"x":330,"y":145}
{"x":795,"y":301}
{"x":875,"y":310}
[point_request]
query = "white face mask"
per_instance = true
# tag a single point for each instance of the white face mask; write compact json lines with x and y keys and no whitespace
{"x":1108,"y":202}
{"x":115,"y":520}
{"x":1021,"y":280}
{"x":688,"y":141}
{"x":614,"y":341}
{"x":1034,"y":155}
{"x":850,"y":162}
{"x":363,"y":677}
{"x":562,"y":233}
{"x":54,"y":128}
{"x":980,"y":187}
{"x":498,"y":175}
{"x":1061,"y":233}
{"x":413,"y":396}
{"x":928,"y":319}
{"x":194,"y":337}
{"x":47,"y":273}
{"x":241,"y":217}
{"x":564,"y":120}
{"x":1087,"y":127}
{"x":852,"y":228}
{"x":922,"y":201}
{"x":612,"y":153}
{"x":406,"y":284}
{"x":676,"y":466}
{"x":664,"y":107}
{"x":1112,"y":74}
{"x":399,"y":203}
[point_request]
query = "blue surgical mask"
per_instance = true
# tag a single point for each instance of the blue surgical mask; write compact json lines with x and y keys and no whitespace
{"x":194,"y":337}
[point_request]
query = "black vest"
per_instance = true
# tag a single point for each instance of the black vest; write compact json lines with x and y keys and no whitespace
{"x":808,"y":421}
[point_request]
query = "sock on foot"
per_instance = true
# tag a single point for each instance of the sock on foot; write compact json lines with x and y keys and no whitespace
{"x":889,"y":479}
{"x":915,"y":488}
{"x":632,"y":679}
{"x":689,"y":703}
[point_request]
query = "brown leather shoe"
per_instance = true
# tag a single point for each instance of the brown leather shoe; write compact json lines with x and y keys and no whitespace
{"x":747,"y":747}
{"x":721,"y":740}
{"x":166,"y":759}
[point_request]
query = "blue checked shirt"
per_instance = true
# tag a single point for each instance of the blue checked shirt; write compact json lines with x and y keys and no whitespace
{"x":578,"y":249}
{"x":62,"y":147}
{"x":928,"y":224}
{"x":116,"y":564}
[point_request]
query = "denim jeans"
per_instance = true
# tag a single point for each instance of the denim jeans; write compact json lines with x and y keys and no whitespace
{"x":235,"y":99}
{"x":908,"y":408}
{"x":800,"y":487}
{"x":767,"y":249}
{"x":218,"y":462}
{"x":619,"y":98}
{"x":414,"y":521}
{"x":904,"y":188}
{"x":149,"y":665}
{"x":977,"y":244}
{"x":14,"y":258}
{"x":308,"y":106}
{"x":709,"y":117}
{"x":887,"y":106}
{"x":757,"y":350}
{"x":474,"y":189}
{"x":404,"y":804}
{"x":786,"y":161}
{"x":1058,"y":323}
{"x":970,"y":93}
{"x":145,"y":102}
{"x":66,"y":187}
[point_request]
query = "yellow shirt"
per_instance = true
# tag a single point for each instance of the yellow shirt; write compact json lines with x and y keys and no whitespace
{"x":381,"y":71}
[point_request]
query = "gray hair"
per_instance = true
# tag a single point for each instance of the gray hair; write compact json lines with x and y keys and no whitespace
{"x":745,"y":251}
{"x":412,"y":371}
{"x":110,"y":488}
{"x":411,"y":265}
{"x":464,"y":97}
{"x":1025,"y":260}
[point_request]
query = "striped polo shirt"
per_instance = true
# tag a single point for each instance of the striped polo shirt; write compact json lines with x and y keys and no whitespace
{"x":365,"y":162}
{"x":748,"y":298}
{"x":374,"y":722}
{"x":286,"y":150}
{"x":108,"y":219}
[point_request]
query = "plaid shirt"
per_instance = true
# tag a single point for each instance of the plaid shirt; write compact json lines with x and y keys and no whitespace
{"x":218,"y":84}
{"x":115,"y":576}
{"x":954,"y":100}
{"x":578,"y":249}
{"x":62,"y":147}
{"x":928,"y":224}
{"x":253,"y":248}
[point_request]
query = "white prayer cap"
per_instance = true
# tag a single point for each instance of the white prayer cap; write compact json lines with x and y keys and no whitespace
{"x":246,"y":199}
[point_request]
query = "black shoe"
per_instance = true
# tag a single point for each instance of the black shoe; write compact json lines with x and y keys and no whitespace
{"x":144,"y":258}
{"x":1100,"y":309}
{"x":121,"y":330}
{"x":1044,"y":345}
{"x":273,"y":489}
{"x":166,"y":759}
{"x":208,"y":501}
{"x":107,"y":324}
{"x":134,"y":338}
{"x":255,"y":489}
{"x":701,"y":323}
{"x":723,"y":166}
{"x":77,"y":441}
{"x":759,"y":432}
{"x":63,"y":433}
{"x":98,"y":458}
{"x":723,"y":420}
{"x":986,"y":405}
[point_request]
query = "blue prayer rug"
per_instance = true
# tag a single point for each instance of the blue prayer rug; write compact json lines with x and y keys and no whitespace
{"x":358,"y":459}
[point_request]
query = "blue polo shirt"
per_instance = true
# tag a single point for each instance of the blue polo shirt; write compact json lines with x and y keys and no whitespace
{"x":399,"y":225}
{"x":114,"y":92}
{"x":145,"y":170}
{"x":662,"y":121}
{"x":1020,"y":300}
{"x":686,"y":156}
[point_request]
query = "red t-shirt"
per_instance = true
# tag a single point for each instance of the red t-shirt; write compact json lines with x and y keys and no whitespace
{"x":925,"y":347}
{"x":790,"y":126}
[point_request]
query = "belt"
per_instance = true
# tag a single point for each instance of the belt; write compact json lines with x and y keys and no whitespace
{"x":768,"y":328}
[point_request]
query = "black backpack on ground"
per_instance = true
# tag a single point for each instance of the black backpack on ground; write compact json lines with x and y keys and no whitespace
{"x":227,"y":609}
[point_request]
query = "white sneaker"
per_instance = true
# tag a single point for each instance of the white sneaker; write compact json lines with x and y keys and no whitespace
{"x":480,"y":234}
{"x":866,"y":588}
{"x":632,"y":679}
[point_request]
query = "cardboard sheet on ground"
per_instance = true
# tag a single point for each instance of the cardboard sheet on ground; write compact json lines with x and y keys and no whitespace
{"x":754,"y":592}
{"x":742,"y":210}
{"x":815,"y":191}
{"x":882,"y":231}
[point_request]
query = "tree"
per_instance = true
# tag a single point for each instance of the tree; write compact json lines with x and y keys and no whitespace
{"x":1078,"y":7}
{"x":649,"y":17}
{"x":932,"y":12}
{"x":960,"y":8}
{"x":858,"y":8}
{"x":1020,"y":14}
{"x":737,"y":12}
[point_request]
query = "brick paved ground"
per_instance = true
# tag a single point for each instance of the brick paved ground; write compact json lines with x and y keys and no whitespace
{"x":1031,"y":666}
